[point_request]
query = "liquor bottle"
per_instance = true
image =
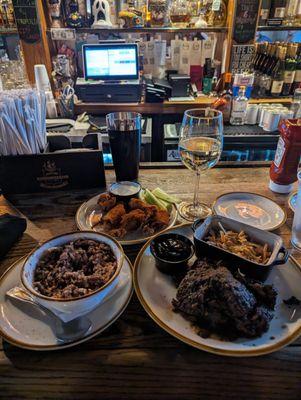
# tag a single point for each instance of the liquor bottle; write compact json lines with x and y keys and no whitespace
{"x":290,"y":70}
{"x":297,"y":79}
{"x":277,"y":12}
{"x":74,"y":19}
{"x":11,"y":15}
{"x":239,"y":108}
{"x":207,"y":76}
{"x":264,"y":12}
{"x":291,"y":12}
{"x":215,"y":12}
{"x":227,"y":96}
{"x":278,"y":73}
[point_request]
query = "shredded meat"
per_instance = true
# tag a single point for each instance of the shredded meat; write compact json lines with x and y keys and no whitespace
{"x":231,"y":306}
{"x":75,"y":269}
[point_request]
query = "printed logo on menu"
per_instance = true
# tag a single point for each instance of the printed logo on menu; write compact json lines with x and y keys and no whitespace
{"x":52,"y":177}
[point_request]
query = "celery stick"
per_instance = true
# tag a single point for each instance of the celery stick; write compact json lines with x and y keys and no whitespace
{"x":151,"y":199}
{"x":159,"y":193}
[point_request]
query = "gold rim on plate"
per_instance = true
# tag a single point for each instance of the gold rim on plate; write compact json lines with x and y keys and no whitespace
{"x":76,"y":342}
{"x":233,"y":353}
{"x":259,"y":195}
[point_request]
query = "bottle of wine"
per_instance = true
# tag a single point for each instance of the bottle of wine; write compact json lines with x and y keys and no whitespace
{"x":290,"y":69}
{"x":278,"y":73}
{"x":264,"y":12}
{"x":267,"y":71}
{"x":277,"y":12}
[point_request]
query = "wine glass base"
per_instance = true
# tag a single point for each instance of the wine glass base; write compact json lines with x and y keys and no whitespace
{"x":297,"y":245}
{"x":191,"y":213}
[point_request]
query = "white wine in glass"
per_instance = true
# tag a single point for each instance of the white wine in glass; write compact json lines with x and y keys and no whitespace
{"x":200,"y":147}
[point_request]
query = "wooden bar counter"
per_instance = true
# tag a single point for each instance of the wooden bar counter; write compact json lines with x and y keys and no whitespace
{"x":135,"y":358}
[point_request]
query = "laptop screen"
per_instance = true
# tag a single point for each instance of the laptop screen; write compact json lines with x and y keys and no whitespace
{"x":111,"y":61}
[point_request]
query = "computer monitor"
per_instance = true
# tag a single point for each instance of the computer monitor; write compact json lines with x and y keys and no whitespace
{"x":110,"y":61}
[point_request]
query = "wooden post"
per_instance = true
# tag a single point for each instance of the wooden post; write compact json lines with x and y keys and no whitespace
{"x":32,"y":29}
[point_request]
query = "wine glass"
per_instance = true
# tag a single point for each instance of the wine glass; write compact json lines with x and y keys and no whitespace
{"x":200,"y":147}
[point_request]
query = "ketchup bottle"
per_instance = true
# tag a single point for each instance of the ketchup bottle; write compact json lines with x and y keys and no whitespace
{"x":283,"y":171}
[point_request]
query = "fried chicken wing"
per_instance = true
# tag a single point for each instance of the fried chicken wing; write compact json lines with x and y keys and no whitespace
{"x":113,"y":217}
{"x":158,"y":223}
{"x":132,"y":220}
{"x":106,"y":201}
{"x":149,"y":210}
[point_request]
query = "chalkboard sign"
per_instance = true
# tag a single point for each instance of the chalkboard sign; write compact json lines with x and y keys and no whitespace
{"x":27,"y":20}
{"x":242,"y":57}
{"x":245,"y":20}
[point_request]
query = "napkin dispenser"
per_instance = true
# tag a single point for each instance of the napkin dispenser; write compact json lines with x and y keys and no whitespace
{"x":60,"y":167}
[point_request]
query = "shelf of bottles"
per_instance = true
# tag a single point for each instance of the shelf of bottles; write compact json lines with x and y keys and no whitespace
{"x":152,"y":30}
{"x":277,"y":69}
{"x":7,"y":18}
{"x":146,"y":16}
{"x":280,"y":15}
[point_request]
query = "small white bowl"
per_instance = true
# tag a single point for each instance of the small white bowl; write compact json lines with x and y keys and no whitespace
{"x":68,"y":309}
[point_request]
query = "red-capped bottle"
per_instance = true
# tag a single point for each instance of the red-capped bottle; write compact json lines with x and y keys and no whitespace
{"x":283,"y":171}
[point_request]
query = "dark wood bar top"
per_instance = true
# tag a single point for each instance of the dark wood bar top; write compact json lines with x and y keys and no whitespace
{"x":134,"y":358}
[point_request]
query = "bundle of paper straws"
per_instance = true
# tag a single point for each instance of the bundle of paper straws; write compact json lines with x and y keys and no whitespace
{"x":22,"y":122}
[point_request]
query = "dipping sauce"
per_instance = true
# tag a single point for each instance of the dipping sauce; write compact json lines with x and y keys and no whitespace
{"x":172,"y":249}
{"x":125,"y":189}
{"x":172,"y":252}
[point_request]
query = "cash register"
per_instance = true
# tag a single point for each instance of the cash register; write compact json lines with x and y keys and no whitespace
{"x":111,"y":74}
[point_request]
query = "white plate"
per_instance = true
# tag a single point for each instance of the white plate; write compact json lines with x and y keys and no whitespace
{"x":292,"y":201}
{"x":250,"y":208}
{"x":23,"y":330}
{"x":156,"y":291}
{"x":88,"y":209}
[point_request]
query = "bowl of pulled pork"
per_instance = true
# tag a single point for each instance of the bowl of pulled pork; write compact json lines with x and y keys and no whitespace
{"x":73,"y":273}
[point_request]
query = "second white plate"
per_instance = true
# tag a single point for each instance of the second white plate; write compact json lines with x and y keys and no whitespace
{"x":250,"y":208}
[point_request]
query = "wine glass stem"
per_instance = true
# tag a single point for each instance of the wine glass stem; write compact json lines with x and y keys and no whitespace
{"x":196,"y":190}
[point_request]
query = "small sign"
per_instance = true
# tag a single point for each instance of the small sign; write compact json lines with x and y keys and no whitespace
{"x":62,"y":34}
{"x":245,"y":20}
{"x":27,"y":20}
{"x":242,"y":56}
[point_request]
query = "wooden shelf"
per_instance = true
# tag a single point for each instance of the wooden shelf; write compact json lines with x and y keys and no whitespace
{"x":279,"y":28}
{"x":153,"y":30}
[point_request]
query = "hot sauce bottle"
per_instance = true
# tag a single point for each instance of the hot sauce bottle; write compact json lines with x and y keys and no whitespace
{"x":283,"y":171}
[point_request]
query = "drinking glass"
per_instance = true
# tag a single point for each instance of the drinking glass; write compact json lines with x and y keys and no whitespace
{"x":296,"y":229}
{"x":124,"y":130}
{"x":200,"y":147}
